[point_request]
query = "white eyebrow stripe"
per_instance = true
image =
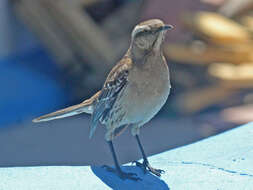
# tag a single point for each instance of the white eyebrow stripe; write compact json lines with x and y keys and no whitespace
{"x":138,"y":29}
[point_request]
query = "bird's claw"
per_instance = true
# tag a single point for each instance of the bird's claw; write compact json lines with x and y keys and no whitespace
{"x":146,"y":167}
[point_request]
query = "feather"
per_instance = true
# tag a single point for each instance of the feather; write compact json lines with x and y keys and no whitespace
{"x":84,"y":107}
{"x":114,"y":84}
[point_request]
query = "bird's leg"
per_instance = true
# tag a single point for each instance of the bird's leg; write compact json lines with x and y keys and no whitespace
{"x":118,"y":170}
{"x":145,"y":165}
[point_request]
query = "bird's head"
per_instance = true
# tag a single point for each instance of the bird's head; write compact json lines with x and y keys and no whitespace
{"x":150,"y":34}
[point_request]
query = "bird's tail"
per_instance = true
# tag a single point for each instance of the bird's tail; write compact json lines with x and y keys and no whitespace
{"x":84,"y":107}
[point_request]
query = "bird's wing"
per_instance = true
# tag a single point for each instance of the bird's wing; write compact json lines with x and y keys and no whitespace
{"x":115,"y":83}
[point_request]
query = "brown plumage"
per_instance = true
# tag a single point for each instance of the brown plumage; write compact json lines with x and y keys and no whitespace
{"x":84,"y":107}
{"x":134,"y":91}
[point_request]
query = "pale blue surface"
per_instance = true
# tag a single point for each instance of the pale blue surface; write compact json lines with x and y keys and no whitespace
{"x":222,"y":162}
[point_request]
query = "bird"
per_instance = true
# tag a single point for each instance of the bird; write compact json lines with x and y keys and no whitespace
{"x":134,"y":91}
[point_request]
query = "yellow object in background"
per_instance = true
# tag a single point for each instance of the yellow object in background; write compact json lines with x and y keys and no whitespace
{"x":217,"y":28}
{"x":229,"y":71}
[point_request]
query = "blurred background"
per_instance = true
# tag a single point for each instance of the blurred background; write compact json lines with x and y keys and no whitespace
{"x":55,"y":54}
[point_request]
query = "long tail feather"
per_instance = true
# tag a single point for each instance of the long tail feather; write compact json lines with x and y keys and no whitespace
{"x":67,"y":112}
{"x":84,"y":107}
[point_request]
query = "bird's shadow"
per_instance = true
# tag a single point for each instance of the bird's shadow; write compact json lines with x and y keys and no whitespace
{"x":147,"y":182}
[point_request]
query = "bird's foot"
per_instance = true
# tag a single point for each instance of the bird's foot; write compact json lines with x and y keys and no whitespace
{"x":121,"y":174}
{"x":146,"y":167}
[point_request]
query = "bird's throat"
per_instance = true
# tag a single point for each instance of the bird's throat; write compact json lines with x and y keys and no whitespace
{"x":139,"y":56}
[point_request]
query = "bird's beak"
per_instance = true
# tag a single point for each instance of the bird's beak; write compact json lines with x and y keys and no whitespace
{"x":165,"y":28}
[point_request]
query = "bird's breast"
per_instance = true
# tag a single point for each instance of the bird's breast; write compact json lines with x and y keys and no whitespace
{"x":147,"y":91}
